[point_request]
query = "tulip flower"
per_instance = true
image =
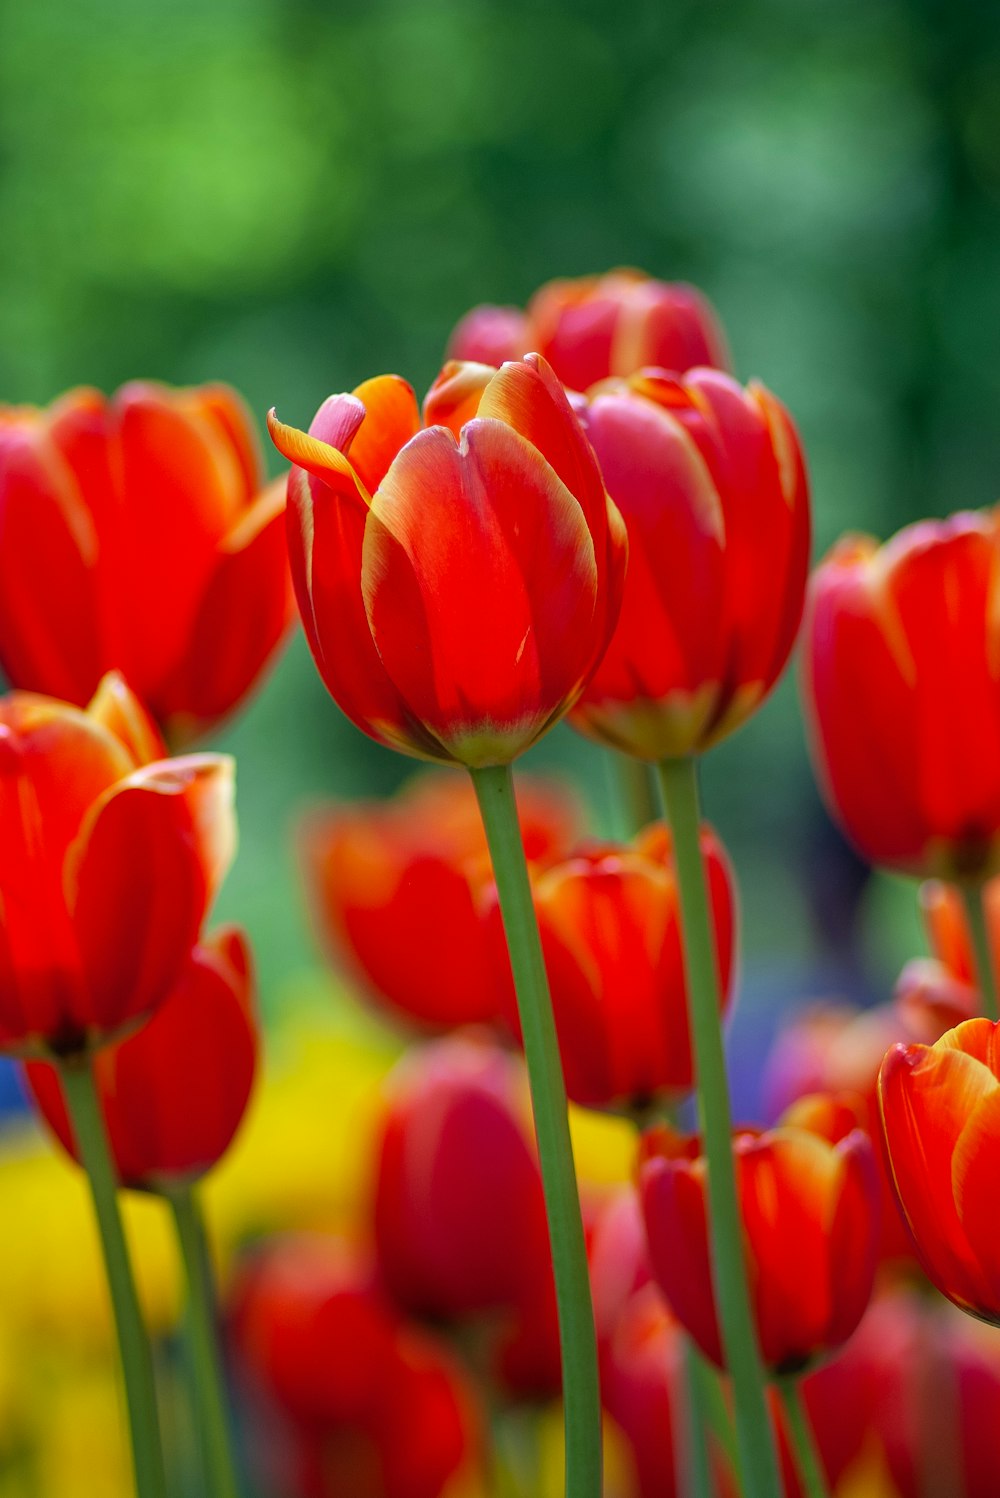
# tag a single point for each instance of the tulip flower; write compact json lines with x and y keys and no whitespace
{"x":597,"y":326}
{"x":96,"y":842}
{"x":939,"y":1108}
{"x":373,"y":1406}
{"x":137,"y":534}
{"x":174,"y":1094}
{"x":901,"y":648}
{"x":459,"y":1213}
{"x":711,"y":483}
{"x":400,"y":887}
{"x":457,"y":595}
{"x":809,"y":1231}
{"x":937,"y":993}
{"x":610,"y":930}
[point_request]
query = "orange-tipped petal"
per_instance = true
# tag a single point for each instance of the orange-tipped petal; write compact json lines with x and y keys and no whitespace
{"x":115,"y":707}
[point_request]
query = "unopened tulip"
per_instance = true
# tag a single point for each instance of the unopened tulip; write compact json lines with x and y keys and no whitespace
{"x":107,"y":866}
{"x":710,"y":480}
{"x":400,"y":887}
{"x":610,"y":926}
{"x":137,"y":534}
{"x":940,"y":1110}
{"x":174,"y":1094}
{"x":901,"y":650}
{"x":598,"y":326}
{"x":457,"y":594}
{"x":808,"y":1210}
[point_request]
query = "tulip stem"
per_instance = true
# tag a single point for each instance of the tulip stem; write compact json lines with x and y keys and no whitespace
{"x":975,"y":910}
{"x":83,"y":1106}
{"x":758,"y":1460}
{"x":205,"y":1365}
{"x":578,"y":1342}
{"x":814,"y":1483}
{"x":696,"y":1464}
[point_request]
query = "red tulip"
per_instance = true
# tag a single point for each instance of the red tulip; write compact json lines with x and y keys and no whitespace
{"x":610,"y":925}
{"x":711,"y":482}
{"x":456,"y":594}
{"x":810,"y":1236}
{"x":903,"y":692}
{"x":107,"y":867}
{"x":376,"y":1408}
{"x":174,"y":1094}
{"x":941,"y":1119}
{"x":598,"y":326}
{"x":136,"y":534}
{"x":399,"y":887}
{"x":459,"y":1213}
{"x":937,"y":993}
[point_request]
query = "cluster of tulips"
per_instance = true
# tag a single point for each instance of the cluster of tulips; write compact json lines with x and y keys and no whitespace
{"x":588,"y":518}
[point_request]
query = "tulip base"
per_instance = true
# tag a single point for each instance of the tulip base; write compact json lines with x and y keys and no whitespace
{"x":758,"y":1459}
{"x":814,"y":1484}
{"x":84,"y":1109}
{"x":581,"y":1390}
{"x":208,"y":1396}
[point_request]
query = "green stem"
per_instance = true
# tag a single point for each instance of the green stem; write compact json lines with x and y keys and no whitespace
{"x":581,"y":1391}
{"x":633,"y":791}
{"x":758,"y":1461}
{"x":84,"y":1109}
{"x":975,"y":910}
{"x":696,"y":1462}
{"x":814,"y":1483}
{"x":208,"y":1385}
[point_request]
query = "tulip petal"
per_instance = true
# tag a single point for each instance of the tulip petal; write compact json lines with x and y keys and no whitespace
{"x":241,"y":620}
{"x":140,"y":877}
{"x":674,"y":1208}
{"x":340,"y":416}
{"x":974,"y":1185}
{"x":480,"y":585}
{"x":48,"y":613}
{"x":221,"y":404}
{"x":392,"y":417}
{"x":119,"y":710}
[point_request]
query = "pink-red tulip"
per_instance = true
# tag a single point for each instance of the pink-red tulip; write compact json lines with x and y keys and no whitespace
{"x":597,"y":326}
{"x":711,"y":483}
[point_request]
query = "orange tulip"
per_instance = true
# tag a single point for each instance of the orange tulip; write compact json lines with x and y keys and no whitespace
{"x":399,"y":887}
{"x":137,"y":534}
{"x":598,"y":326}
{"x":174,"y":1094}
{"x":941,"y":1120}
{"x":610,"y":926}
{"x":810,"y":1231}
{"x":711,"y":482}
{"x":108,"y":863}
{"x":903,"y":689}
{"x":456,"y":594}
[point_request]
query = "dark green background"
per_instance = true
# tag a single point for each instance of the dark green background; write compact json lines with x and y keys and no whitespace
{"x":295,"y":196}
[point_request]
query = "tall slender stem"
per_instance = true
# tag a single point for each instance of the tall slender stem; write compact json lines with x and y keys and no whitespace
{"x":696,"y":1460}
{"x":975,"y":909}
{"x":208,"y":1384}
{"x":814,"y":1483}
{"x":84,"y":1109}
{"x":758,"y":1461}
{"x":581,"y":1391}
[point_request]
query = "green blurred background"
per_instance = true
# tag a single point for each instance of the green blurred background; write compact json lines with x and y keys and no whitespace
{"x":293,"y":196}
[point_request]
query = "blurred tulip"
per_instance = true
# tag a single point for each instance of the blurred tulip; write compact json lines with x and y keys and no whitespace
{"x":459,"y":1213}
{"x":174,"y":1094}
{"x":610,"y":926}
{"x":107,"y":867}
{"x":810,"y":1237}
{"x":377,"y":1408}
{"x":457,"y":595}
{"x":939,"y":992}
{"x":941,"y":1119}
{"x":902,"y":690}
{"x":711,"y":482}
{"x":399,"y":888}
{"x":136,"y":534}
{"x":598,"y":326}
